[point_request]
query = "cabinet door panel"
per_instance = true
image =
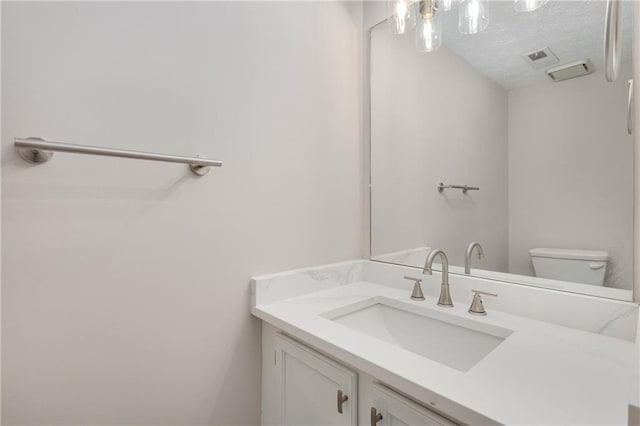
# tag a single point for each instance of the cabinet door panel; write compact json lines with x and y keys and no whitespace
{"x":309,"y":385}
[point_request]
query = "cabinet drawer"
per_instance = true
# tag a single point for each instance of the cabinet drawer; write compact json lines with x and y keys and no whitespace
{"x":389,"y":408}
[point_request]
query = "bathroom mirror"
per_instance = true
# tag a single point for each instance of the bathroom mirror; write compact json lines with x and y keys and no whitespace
{"x":547,"y":164}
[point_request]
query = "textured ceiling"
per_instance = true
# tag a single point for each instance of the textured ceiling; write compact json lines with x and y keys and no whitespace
{"x":572,"y":29}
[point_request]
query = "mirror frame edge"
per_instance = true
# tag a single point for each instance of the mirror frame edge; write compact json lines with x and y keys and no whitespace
{"x":636,"y":156}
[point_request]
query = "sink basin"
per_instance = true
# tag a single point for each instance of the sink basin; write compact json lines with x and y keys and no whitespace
{"x":450,"y":340}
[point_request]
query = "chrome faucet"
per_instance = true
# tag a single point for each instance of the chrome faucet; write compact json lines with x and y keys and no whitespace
{"x":445,"y":295}
{"x":468,"y":253}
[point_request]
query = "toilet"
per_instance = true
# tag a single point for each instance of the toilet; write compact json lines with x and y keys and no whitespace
{"x":580,"y":266}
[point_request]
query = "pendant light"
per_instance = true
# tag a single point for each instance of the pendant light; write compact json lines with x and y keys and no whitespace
{"x":429,"y":27}
{"x":401,"y":16}
{"x":528,"y":5}
{"x":444,"y":5}
{"x":473,"y":16}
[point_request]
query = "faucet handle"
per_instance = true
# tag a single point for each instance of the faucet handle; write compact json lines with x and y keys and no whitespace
{"x":477,"y":307}
{"x":416,"y":294}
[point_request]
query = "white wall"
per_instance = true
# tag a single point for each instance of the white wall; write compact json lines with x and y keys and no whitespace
{"x":126,"y":283}
{"x":436,"y":119}
{"x":571,"y":172}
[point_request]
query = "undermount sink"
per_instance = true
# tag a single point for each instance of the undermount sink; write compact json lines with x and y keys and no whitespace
{"x":450,"y":340}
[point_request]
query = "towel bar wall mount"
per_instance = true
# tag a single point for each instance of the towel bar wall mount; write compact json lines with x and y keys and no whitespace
{"x":37,"y":151}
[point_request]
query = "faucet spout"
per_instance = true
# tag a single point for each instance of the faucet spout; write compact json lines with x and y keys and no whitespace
{"x":445,"y":294}
{"x":428,"y":264}
{"x":468,"y":253}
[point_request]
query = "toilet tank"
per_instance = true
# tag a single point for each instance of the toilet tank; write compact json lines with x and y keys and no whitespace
{"x":580,"y":266}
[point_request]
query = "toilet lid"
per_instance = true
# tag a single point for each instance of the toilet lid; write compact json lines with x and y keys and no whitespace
{"x":555,"y":253}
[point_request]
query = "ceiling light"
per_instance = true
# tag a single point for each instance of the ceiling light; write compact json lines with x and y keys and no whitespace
{"x":444,"y":5}
{"x":473,"y":16}
{"x":429,"y":27}
{"x":401,"y":16}
{"x":528,"y":5}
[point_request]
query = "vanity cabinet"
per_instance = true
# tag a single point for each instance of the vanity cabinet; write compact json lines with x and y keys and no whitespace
{"x":313,"y":390}
{"x":391,"y":409}
{"x":301,"y":386}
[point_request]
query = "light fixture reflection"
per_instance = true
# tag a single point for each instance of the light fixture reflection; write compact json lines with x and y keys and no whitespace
{"x":444,"y":5}
{"x":401,"y":16}
{"x":528,"y":5}
{"x":473,"y":16}
{"x":429,"y":29}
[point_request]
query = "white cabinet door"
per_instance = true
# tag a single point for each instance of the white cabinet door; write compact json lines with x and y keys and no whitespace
{"x":314,"y":390}
{"x":391,"y":409}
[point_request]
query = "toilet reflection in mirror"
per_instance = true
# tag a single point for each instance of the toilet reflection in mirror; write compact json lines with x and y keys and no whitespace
{"x":522,"y":111}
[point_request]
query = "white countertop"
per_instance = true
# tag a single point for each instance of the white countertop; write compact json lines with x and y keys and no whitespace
{"x":541,"y":374}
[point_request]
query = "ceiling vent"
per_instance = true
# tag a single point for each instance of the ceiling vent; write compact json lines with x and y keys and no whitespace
{"x":541,"y":58}
{"x":571,"y":70}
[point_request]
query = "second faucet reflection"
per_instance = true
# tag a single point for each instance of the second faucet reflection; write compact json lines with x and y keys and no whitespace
{"x":469,"y":253}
